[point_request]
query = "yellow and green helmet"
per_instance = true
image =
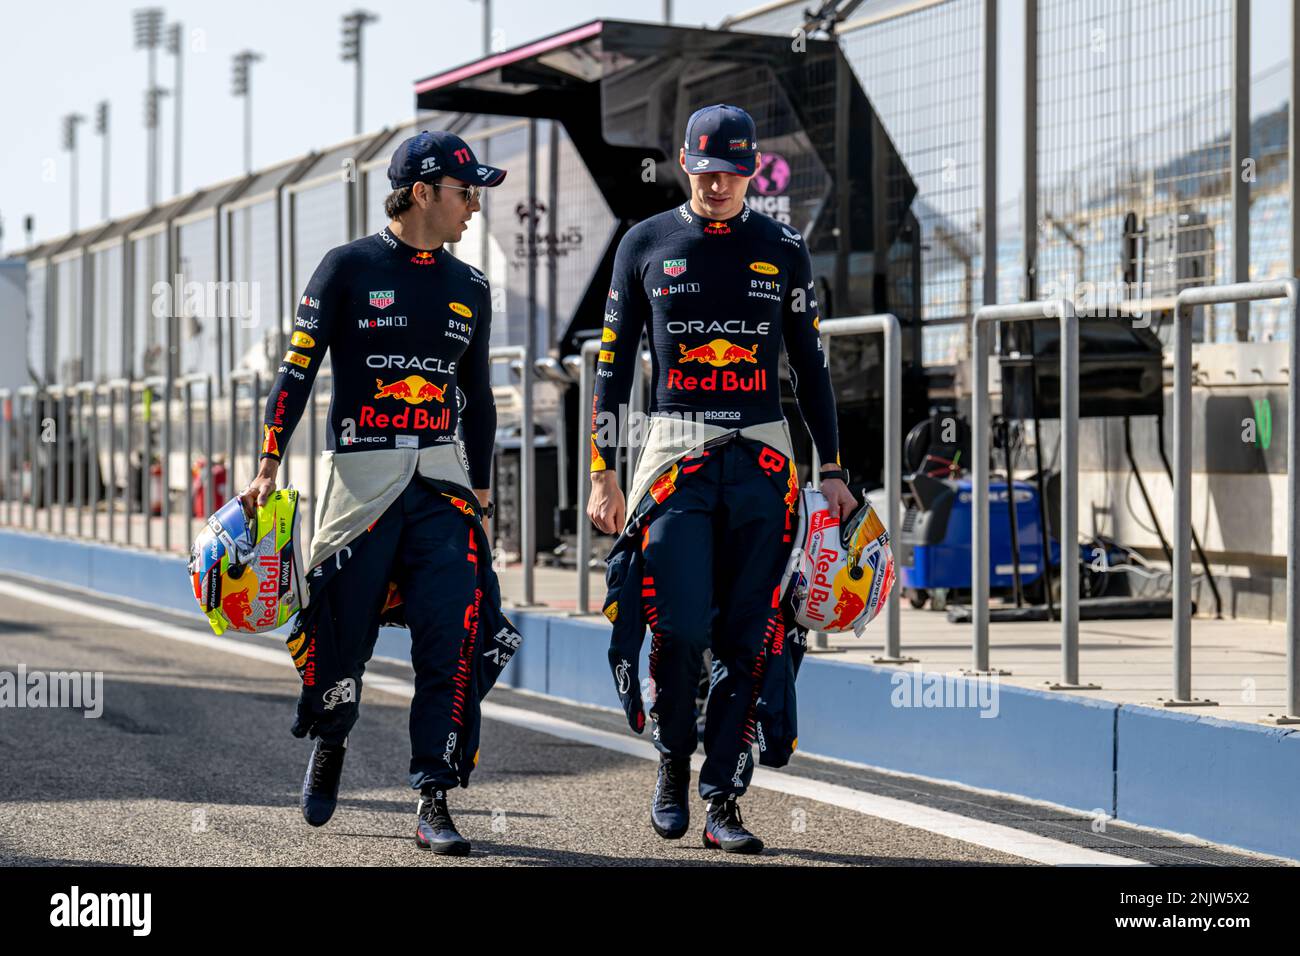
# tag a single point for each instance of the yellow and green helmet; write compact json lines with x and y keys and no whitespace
{"x":246,"y":575}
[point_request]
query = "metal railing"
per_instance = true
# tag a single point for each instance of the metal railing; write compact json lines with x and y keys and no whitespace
{"x":253,"y":380}
{"x":554,"y":371}
{"x":1069,"y":530}
{"x":517,"y":357}
{"x":888,"y":325}
{"x":586,"y":392}
{"x":66,"y":476}
{"x":1188,"y":299}
{"x":8,"y":418}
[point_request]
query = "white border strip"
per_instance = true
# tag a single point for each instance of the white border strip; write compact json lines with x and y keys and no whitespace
{"x":993,"y":836}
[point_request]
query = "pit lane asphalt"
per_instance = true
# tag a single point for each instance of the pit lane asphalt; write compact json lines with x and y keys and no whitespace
{"x":192,"y":763}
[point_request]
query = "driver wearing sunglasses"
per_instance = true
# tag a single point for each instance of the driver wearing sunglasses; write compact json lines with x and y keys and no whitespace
{"x":402,"y":533}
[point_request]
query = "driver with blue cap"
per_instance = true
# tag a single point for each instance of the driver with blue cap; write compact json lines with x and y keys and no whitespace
{"x":399,"y":529}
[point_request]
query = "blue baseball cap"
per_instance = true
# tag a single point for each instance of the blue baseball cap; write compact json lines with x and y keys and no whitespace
{"x":426,"y":156}
{"x":721,"y":139}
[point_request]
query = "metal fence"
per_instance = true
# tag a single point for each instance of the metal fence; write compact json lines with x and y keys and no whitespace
{"x":1137,"y":115}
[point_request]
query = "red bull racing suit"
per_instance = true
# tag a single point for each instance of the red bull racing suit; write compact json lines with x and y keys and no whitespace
{"x":717,"y":301}
{"x":407,"y":334}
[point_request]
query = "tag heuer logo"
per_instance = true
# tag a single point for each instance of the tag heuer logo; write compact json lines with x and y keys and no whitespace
{"x":674,"y":267}
{"x":382,"y":300}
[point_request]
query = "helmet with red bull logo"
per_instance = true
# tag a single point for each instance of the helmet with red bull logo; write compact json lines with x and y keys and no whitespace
{"x":248,"y":575}
{"x":839,"y":575}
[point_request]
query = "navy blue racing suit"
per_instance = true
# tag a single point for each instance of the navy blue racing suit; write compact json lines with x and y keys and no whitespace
{"x":407,"y":334}
{"x":715,"y":545}
{"x":423,"y":564}
{"x":718,"y":300}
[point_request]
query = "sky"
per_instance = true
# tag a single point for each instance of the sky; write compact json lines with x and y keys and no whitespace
{"x":64,"y":57}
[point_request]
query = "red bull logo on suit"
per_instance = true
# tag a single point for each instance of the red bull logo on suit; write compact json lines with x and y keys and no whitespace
{"x":718,"y":353}
{"x":459,"y":504}
{"x":414,"y":389}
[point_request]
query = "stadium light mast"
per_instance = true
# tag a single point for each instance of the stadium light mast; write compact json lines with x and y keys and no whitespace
{"x":152,"y":98}
{"x":240,"y":86}
{"x":175,"y":33}
{"x":353,"y":25}
{"x":101,"y":130}
{"x":70,"y":123}
{"x":148,"y":33}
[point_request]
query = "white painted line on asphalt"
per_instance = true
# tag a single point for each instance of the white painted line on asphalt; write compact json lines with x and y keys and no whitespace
{"x":992,"y":836}
{"x":135,"y":622}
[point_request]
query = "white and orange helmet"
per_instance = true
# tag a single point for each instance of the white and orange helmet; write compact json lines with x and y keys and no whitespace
{"x":839,"y":576}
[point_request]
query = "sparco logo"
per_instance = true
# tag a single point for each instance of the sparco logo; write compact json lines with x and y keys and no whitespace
{"x":429,"y":364}
{"x":450,"y":749}
{"x":736,"y":779}
{"x":620,"y":674}
{"x":762,"y":742}
{"x":383,"y":322}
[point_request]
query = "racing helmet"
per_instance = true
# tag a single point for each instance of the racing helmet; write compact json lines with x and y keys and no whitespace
{"x":250,"y":576}
{"x":838,"y":576}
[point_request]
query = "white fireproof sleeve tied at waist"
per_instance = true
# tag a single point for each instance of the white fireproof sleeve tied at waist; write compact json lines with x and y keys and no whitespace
{"x":358,"y":487}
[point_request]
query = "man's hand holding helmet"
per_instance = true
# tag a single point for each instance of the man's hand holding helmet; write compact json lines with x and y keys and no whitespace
{"x":261,"y":487}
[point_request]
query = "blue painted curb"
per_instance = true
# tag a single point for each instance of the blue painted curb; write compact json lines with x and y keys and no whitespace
{"x":1228,"y":781}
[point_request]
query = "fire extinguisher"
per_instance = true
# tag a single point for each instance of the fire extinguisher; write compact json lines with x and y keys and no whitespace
{"x":155,"y":488}
{"x":198,"y":487}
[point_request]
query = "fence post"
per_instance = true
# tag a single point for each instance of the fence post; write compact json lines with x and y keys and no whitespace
{"x":1189,"y":299}
{"x":586,"y":390}
{"x":6,"y":471}
{"x":984,"y":318}
{"x":512,"y":354}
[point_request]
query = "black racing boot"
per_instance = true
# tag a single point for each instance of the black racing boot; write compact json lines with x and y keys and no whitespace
{"x":434,"y":827}
{"x":670,"y":814}
{"x":320,"y":788}
{"x":725,"y":830}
